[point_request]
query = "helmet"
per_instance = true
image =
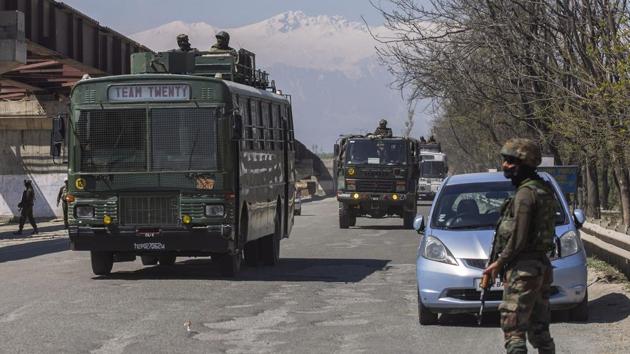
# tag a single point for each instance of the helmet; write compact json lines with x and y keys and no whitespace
{"x":525,"y":150}
{"x":223,"y":35}
{"x":182,"y":36}
{"x":382,"y":122}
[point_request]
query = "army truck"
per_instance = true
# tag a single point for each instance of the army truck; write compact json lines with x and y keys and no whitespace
{"x":433,"y":169}
{"x":192,"y":154}
{"x":377,"y":176}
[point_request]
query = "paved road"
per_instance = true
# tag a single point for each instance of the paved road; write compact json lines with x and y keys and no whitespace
{"x":334,"y":291}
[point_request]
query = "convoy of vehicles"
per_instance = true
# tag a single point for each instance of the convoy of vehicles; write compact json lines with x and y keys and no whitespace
{"x":190,"y":155}
{"x":456,"y":239}
{"x":433,"y":170}
{"x":377,"y":176}
{"x":193,"y":155}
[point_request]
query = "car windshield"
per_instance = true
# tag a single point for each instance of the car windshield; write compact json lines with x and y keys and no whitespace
{"x":475,"y":206}
{"x":377,"y":152}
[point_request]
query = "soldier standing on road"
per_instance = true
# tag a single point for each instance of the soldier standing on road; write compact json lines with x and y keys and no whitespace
{"x":383,"y":129}
{"x":26,"y":207}
{"x":63,"y":191}
{"x":525,"y":235}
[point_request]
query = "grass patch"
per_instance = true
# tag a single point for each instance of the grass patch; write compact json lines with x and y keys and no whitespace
{"x":609,"y":273}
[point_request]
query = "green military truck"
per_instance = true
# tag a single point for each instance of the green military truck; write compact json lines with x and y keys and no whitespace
{"x":192,"y":154}
{"x":377,"y":176}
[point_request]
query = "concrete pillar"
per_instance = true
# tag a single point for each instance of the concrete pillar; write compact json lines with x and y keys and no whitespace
{"x":12,"y":40}
{"x":25,"y":154}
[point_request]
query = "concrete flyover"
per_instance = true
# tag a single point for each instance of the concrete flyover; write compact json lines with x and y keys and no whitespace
{"x":45,"y":47}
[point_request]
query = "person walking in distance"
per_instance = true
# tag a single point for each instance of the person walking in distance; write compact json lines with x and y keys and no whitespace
{"x":61,"y":197}
{"x":524,"y":237}
{"x":26,"y":207}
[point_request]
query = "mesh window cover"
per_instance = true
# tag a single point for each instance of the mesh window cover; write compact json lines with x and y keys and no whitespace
{"x":184,"y":139}
{"x":112,"y":140}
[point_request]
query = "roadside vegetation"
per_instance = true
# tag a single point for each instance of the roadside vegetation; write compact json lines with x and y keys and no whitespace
{"x":554,"y":71}
{"x":607,"y":272}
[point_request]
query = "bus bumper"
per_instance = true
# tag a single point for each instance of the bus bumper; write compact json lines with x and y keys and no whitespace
{"x":185,"y":241}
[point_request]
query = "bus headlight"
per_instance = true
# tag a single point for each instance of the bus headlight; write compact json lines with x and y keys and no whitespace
{"x":84,"y":211}
{"x":186,"y":219}
{"x":214,"y":210}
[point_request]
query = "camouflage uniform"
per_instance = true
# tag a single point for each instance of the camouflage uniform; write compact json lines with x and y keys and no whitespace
{"x":525,"y":235}
{"x":61,"y":197}
{"x":222,"y":45}
{"x":26,"y":206}
{"x":383,"y":130}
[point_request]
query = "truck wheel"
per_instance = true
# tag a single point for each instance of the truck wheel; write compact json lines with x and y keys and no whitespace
{"x":425,"y":316}
{"x":230,"y":265}
{"x":149,"y":260}
{"x":353,"y":221}
{"x":102,"y":262}
{"x":344,"y":219}
{"x":167,"y":260}
{"x":251,"y":252}
{"x":270,"y":244}
{"x":580,"y":313}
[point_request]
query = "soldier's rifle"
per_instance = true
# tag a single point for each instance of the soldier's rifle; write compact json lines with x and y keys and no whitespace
{"x":486,"y":281}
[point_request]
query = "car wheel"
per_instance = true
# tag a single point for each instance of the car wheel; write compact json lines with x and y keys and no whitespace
{"x":102,"y":262}
{"x":425,"y":316}
{"x":580,"y":312}
{"x":149,"y":260}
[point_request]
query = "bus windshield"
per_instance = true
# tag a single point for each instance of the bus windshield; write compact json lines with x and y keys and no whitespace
{"x":378,"y":152}
{"x":176,"y":140}
{"x":432,"y":169}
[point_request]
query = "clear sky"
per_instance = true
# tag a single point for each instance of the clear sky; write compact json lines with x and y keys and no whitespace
{"x":131,"y":16}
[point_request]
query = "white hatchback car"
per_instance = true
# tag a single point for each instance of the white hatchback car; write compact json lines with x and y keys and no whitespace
{"x":457,"y":238}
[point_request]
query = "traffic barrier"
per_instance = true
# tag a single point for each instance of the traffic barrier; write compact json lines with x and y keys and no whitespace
{"x":608,"y":245}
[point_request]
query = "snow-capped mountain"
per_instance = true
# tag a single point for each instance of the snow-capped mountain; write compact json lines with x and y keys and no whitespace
{"x":327,"y":63}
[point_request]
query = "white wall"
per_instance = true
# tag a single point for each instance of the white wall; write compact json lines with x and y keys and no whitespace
{"x":46,"y":188}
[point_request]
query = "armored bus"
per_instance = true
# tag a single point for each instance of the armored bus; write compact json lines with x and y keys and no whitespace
{"x":192,"y":154}
{"x":377,"y":176}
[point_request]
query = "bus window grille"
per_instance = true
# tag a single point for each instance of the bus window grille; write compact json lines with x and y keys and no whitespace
{"x":112,"y":140}
{"x":184,"y":139}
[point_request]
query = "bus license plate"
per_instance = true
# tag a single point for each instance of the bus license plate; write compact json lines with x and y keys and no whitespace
{"x":497,"y":285}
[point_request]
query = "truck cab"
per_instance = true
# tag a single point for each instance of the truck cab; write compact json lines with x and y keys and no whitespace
{"x":376,"y":177}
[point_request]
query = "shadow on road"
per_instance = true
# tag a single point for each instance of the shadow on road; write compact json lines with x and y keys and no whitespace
{"x":379,"y":227}
{"x":27,"y":231}
{"x":610,"y":308}
{"x":33,"y":249}
{"x":288,"y":270}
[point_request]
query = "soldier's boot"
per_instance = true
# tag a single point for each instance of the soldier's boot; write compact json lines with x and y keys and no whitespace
{"x":35,"y":232}
{"x":18,"y":232}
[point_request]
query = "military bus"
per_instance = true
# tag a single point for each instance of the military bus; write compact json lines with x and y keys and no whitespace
{"x":192,"y":154}
{"x":377,"y":176}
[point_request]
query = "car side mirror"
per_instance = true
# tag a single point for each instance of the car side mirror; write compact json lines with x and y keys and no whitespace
{"x":418,"y":224}
{"x":579,"y":218}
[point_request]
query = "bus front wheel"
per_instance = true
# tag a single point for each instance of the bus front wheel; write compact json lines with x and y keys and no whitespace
{"x":102,"y":262}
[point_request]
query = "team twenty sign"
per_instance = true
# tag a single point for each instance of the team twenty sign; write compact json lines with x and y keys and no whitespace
{"x":143,"y":93}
